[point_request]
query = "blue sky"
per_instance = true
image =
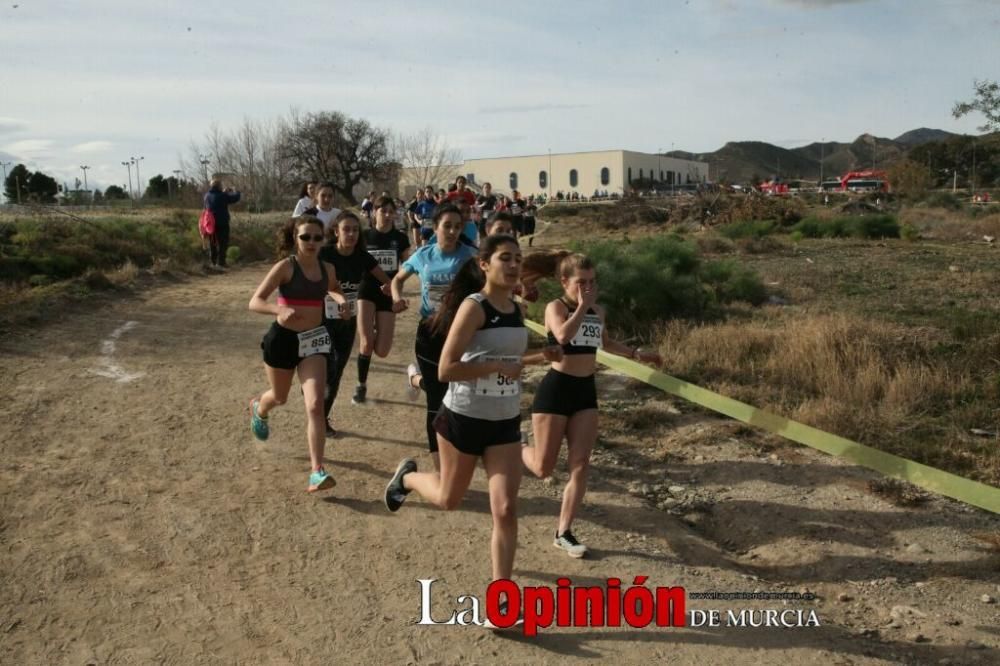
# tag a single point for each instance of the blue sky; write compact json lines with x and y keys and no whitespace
{"x":98,"y":82}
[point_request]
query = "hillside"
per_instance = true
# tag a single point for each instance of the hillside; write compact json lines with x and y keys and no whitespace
{"x":744,"y":161}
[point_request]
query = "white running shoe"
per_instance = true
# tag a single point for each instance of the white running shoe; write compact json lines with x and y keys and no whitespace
{"x":568,"y":542}
{"x":412,"y":392}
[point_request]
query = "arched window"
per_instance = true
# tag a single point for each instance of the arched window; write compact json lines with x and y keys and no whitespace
{"x":513,"y":180}
{"x":573,"y":178}
{"x":630,"y":175}
{"x":640,"y":174}
{"x":605,"y":176}
{"x":543,"y":179}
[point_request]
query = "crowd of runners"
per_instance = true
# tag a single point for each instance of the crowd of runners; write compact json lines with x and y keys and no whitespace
{"x":343,"y":278}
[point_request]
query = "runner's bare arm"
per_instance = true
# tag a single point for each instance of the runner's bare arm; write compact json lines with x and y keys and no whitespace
{"x":334,"y":284}
{"x":622,"y":349}
{"x":397,"y":283}
{"x":563,"y":326}
{"x":469,"y":318}
{"x":280,"y":273}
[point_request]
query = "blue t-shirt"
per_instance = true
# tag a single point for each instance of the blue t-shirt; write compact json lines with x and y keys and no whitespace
{"x":436,"y":270}
{"x":425,"y":209}
{"x":469,"y":235}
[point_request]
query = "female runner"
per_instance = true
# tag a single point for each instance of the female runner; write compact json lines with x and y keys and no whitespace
{"x":297,"y":340}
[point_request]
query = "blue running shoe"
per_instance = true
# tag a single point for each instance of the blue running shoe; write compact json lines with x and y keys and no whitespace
{"x":258,"y":424}
{"x":320,"y":480}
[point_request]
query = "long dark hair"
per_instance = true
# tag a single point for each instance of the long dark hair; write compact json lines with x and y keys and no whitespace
{"x":331,"y":233}
{"x":468,"y":280}
{"x":286,"y":235}
{"x":304,"y":192}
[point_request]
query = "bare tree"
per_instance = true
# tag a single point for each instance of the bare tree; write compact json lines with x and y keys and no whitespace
{"x":427,"y":157}
{"x":331,"y":146}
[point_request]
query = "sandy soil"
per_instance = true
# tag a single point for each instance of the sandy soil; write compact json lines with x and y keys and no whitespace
{"x":141,"y":523}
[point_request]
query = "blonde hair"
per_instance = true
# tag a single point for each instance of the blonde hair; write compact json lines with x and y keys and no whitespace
{"x":572,"y":263}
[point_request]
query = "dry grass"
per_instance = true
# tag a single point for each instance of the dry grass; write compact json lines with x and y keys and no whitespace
{"x":942,"y":224}
{"x":897,"y":492}
{"x":990,"y":539}
{"x":868,"y":380}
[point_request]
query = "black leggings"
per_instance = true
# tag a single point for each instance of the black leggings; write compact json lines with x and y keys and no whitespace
{"x":428,"y":349}
{"x":219,"y":243}
{"x":342,"y":333}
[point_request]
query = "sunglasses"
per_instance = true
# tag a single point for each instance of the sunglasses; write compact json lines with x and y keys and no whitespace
{"x":315,"y":238}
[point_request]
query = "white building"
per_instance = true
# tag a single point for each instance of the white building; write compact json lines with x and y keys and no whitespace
{"x":614,"y":171}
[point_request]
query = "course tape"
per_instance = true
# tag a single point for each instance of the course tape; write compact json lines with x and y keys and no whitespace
{"x":929,"y":478}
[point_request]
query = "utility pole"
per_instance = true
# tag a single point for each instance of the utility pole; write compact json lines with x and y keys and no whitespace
{"x":128,"y":165}
{"x":138,"y":181}
{"x":973,"y":165}
{"x":204,"y":166}
{"x":4,"y":166}
{"x":84,"y":167}
{"x":177,"y":179}
{"x":822,"y":149}
{"x":551,"y":175}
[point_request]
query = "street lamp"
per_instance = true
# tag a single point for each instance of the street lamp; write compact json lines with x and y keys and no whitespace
{"x":659,"y":165}
{"x":128,"y":165}
{"x":84,"y":167}
{"x":822,"y":147}
{"x":177,"y":178}
{"x":138,"y":181}
{"x":204,"y":166}
{"x":4,"y":166}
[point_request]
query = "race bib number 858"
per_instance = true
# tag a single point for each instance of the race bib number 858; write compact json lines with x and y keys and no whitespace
{"x":314,"y":341}
{"x":496,"y":384}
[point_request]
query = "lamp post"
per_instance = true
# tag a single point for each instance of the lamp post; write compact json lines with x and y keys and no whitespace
{"x":204,"y":166}
{"x":84,"y":167}
{"x":550,"y":175}
{"x":4,"y":166}
{"x":177,"y":178}
{"x":138,"y":181}
{"x":659,"y":165}
{"x":128,"y":165}
{"x":673,"y":179}
{"x":822,"y":148}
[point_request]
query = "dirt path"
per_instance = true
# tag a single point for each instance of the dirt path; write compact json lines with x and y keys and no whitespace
{"x":140,"y":522}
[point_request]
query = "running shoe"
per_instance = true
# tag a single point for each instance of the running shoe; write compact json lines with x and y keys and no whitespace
{"x":503,"y":611}
{"x":360,"y":392}
{"x":258,"y":424}
{"x":395,"y":493}
{"x":412,"y":392}
{"x":568,"y":542}
{"x":330,"y":432}
{"x":320,"y":480}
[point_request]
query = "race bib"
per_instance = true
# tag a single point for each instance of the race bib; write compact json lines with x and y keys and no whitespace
{"x":497,"y":385}
{"x":333,"y":308}
{"x":515,"y":210}
{"x":387,"y":260}
{"x":435,"y":294}
{"x":590,"y":333}
{"x":315,"y":341}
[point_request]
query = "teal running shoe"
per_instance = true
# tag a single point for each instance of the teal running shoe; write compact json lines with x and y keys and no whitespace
{"x":258,"y":424}
{"x":320,"y":480}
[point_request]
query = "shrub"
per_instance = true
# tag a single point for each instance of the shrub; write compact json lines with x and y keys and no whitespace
{"x":748,"y":229}
{"x":233,"y":254}
{"x":945,"y":200}
{"x":659,"y":277}
{"x":909,"y":232}
{"x":864,"y":226}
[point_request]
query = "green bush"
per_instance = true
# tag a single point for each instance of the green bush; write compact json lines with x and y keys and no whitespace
{"x":909,"y":232}
{"x":863,"y":226}
{"x":233,"y":254}
{"x":659,"y":277}
{"x":943,"y":200}
{"x":748,"y":229}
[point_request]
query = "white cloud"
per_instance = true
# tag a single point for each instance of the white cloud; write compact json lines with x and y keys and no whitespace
{"x":92,"y":147}
{"x":28,"y":146}
{"x":8,"y":124}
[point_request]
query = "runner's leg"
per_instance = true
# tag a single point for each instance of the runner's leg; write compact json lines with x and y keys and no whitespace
{"x":503,"y":468}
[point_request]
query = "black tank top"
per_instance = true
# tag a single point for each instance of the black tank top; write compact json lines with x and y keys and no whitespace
{"x":591,"y":326}
{"x":300,"y":290}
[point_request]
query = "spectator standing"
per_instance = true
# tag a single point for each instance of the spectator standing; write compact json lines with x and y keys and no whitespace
{"x":306,"y":199}
{"x":218,"y":201}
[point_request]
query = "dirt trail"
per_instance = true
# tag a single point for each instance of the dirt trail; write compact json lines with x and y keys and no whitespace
{"x":141,"y":523}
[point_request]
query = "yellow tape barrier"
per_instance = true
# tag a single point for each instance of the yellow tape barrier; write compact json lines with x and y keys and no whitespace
{"x":929,"y":478}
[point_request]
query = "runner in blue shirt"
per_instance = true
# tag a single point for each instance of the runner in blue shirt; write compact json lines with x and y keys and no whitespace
{"x":436,"y":265}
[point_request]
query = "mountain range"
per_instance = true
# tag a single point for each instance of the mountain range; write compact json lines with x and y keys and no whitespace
{"x":742,"y":161}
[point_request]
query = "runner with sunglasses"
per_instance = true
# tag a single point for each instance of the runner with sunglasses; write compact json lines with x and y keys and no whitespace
{"x":297,"y":341}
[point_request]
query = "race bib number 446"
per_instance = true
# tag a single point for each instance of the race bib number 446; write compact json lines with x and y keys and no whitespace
{"x":590,"y":333}
{"x":314,"y":341}
{"x":496,"y":384}
{"x":387,"y":260}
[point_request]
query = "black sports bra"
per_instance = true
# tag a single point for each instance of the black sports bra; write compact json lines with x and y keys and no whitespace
{"x":587,"y":338}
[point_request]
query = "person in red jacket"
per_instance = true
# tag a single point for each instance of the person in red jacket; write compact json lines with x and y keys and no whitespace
{"x":460,"y":193}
